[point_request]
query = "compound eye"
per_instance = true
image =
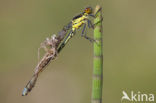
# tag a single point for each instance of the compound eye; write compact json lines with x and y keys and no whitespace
{"x":88,"y":10}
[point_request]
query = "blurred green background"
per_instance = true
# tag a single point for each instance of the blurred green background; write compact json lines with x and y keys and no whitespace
{"x":129,"y":41}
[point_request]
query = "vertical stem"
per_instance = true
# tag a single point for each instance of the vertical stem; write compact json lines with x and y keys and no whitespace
{"x":98,"y":58}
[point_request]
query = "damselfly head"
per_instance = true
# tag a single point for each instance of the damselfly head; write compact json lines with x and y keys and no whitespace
{"x":88,"y":10}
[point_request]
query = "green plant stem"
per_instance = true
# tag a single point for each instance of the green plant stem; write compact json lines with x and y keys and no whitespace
{"x":98,"y":59}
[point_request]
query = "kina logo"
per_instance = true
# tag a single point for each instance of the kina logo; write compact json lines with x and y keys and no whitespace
{"x":138,"y":96}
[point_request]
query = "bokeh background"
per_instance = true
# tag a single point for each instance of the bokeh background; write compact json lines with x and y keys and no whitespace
{"x":129,"y":41}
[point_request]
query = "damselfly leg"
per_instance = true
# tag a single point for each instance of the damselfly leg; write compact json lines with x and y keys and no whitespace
{"x":83,"y":34}
{"x":90,"y":24}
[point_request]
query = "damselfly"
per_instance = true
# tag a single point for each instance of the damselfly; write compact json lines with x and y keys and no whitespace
{"x":56,"y":44}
